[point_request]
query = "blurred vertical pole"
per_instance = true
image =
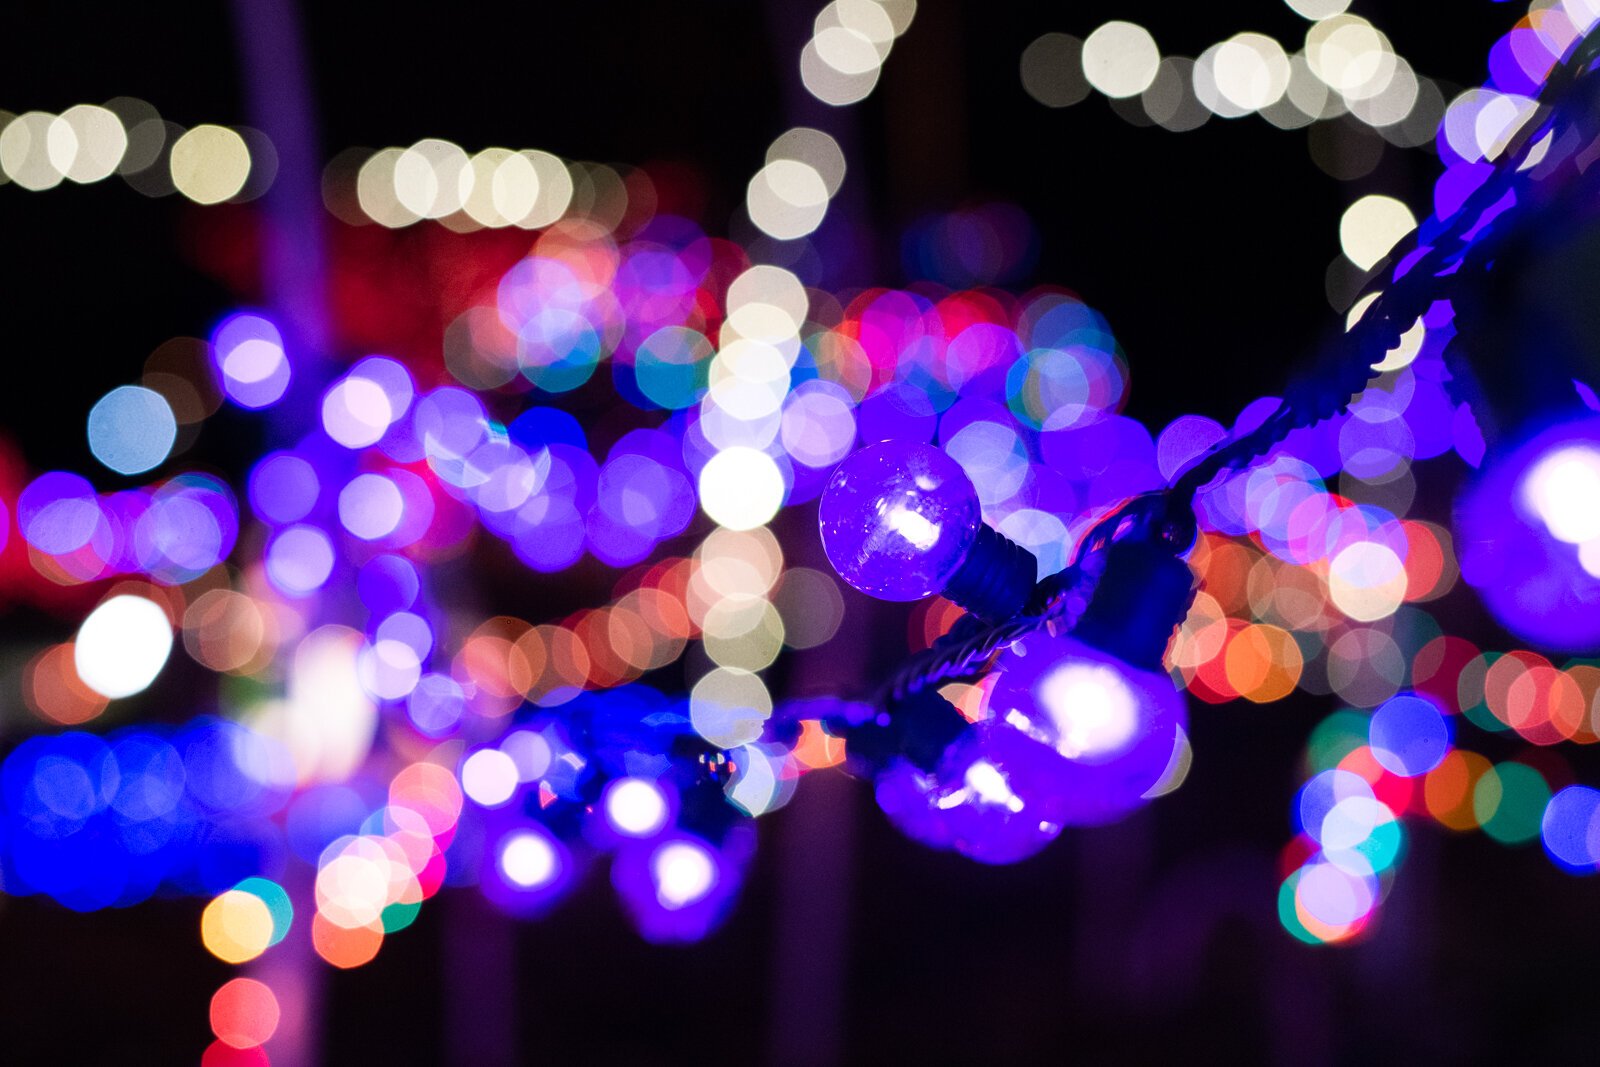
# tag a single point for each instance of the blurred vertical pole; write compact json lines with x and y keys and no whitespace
{"x":480,"y":982}
{"x":277,"y":91}
{"x":816,"y":862}
{"x":789,"y":24}
{"x":296,"y":976}
{"x":1113,"y":866}
{"x":810,"y":956}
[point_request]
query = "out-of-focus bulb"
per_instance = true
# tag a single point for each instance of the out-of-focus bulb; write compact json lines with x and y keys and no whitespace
{"x":528,"y":860}
{"x":1528,"y":537}
{"x":636,"y":807}
{"x":992,"y":797}
{"x":902,"y":521}
{"x":678,"y":887}
{"x":1563,"y":490}
{"x":1112,"y":727}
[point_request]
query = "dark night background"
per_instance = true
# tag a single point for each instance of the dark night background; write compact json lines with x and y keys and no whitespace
{"x":1154,"y":940}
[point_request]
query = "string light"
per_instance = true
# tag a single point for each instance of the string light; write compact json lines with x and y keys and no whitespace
{"x":526,"y":752}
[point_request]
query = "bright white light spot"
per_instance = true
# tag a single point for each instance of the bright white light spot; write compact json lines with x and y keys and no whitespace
{"x":847,"y":50}
{"x":1371,"y":227}
{"x":489,"y":776}
{"x":757,"y":786}
{"x":478,"y":180}
{"x":636,"y":807}
{"x":25,"y":153}
{"x":86,"y":143}
{"x":1177,"y":769}
{"x":815,"y":149}
{"x":741,"y":488}
{"x":328,"y":719}
{"x":767,"y":303}
{"x":1332,"y":895}
{"x":122,"y":646}
{"x":353,"y":888}
{"x":252,"y":361}
{"x":371,"y":506}
{"x":1120,"y":59}
{"x":1499,"y":119}
{"x":914,"y":527}
{"x":683,"y":873}
{"x":356,"y":412}
{"x":1563,"y":489}
{"x":1394,"y":102}
{"x":210,"y":164}
{"x":1367,"y":581}
{"x":1093,"y":711}
{"x":528,"y":861}
{"x":827,"y":82}
{"x":787,"y":199}
{"x":984,"y":781}
{"x":1350,"y":56}
{"x":553,"y":195}
{"x":389,"y":669}
{"x":375,"y":190}
{"x":729,"y":707}
{"x":866,"y":17}
{"x":1589,"y":557}
{"x":1251,"y":71}
{"x":513,"y":187}
{"x":1410,"y":346}
{"x":1316,"y":10}
{"x":748,"y":380}
{"x":1351,"y":821}
{"x":431,"y":178}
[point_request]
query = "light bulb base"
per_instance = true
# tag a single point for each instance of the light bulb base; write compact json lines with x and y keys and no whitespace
{"x":916,"y":728}
{"x":1142,"y":596}
{"x":996,"y":578}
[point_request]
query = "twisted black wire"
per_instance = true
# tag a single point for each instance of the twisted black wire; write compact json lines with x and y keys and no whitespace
{"x":1062,"y":598}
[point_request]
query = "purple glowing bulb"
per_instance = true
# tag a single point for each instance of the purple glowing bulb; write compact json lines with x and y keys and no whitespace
{"x":898,"y":519}
{"x":1528,"y":537}
{"x":679,"y":887}
{"x":1111,"y":728}
{"x":902,"y":521}
{"x":991,"y":798}
{"x":527,"y":869}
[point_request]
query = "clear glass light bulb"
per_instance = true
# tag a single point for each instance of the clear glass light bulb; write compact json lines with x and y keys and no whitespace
{"x":992,"y":797}
{"x":1111,"y":728}
{"x":898,"y":520}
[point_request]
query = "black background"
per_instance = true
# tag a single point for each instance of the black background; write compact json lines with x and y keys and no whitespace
{"x":1151,"y":941}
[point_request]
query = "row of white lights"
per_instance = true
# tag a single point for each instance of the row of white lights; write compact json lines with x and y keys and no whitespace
{"x":788,"y":197}
{"x":88,"y":143}
{"x":741,"y":486}
{"x":1346,"y":66}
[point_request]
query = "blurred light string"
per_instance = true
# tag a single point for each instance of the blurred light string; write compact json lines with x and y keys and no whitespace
{"x":525,"y":806}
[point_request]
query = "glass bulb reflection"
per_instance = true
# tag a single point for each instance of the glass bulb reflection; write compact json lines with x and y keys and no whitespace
{"x":990,"y":798}
{"x":1111,"y":727}
{"x":898,"y":519}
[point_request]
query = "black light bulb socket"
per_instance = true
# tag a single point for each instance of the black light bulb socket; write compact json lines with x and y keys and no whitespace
{"x":1142,"y":596}
{"x":917,"y":728}
{"x":996,"y":579}
{"x":1526,"y":322}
